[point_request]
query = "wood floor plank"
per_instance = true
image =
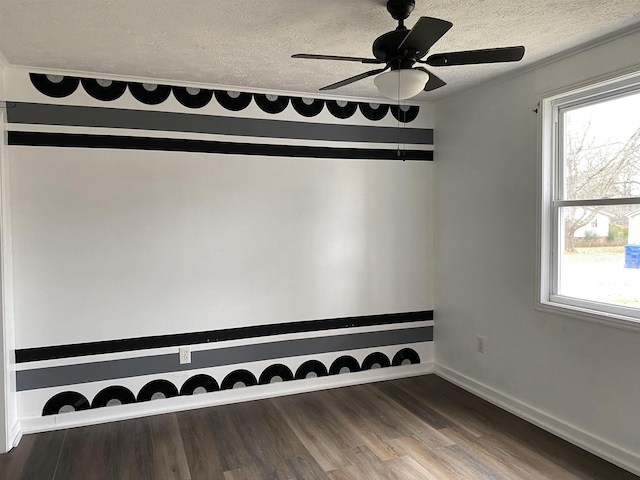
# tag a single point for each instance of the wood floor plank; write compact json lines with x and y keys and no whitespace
{"x":500,"y":456}
{"x":35,"y":457}
{"x":134,"y":452}
{"x":407,"y":468}
{"x":246,"y":473}
{"x":347,"y":473}
{"x":430,"y":459}
{"x":266,"y":438}
{"x":318,"y":431}
{"x":381,"y":414}
{"x":580,"y":463}
{"x":356,"y":429}
{"x":200,"y":442}
{"x":418,"y":408}
{"x":169,"y":459}
{"x":413,"y":428}
{"x":306,"y":468}
{"x":369,"y":465}
{"x":452,"y":411}
{"x":88,"y":453}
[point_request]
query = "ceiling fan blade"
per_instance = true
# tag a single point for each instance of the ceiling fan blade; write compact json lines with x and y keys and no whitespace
{"x":424,"y":34}
{"x":349,"y":80}
{"x":433,"y":82}
{"x":335,"y":57}
{"x":472,"y":57}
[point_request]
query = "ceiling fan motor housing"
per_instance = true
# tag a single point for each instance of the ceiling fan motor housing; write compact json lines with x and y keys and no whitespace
{"x":400,"y":9}
{"x":385,"y":49}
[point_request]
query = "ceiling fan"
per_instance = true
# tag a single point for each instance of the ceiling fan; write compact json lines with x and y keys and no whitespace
{"x":402,"y":48}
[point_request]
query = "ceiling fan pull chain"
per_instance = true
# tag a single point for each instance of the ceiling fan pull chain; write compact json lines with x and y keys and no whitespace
{"x":404,"y":126}
{"x":398,"y":119}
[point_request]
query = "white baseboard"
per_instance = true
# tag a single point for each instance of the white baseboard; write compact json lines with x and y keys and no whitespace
{"x":258,"y":392}
{"x":623,"y":458}
{"x":15,"y":434}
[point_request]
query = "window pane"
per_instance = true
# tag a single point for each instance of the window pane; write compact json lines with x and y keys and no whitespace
{"x":600,"y":263}
{"x":602,"y":149}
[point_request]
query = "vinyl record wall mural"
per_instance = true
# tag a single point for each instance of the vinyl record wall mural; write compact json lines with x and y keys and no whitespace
{"x":373,"y":111}
{"x":149,"y":93}
{"x":65,"y":402}
{"x":56,"y":86}
{"x":129,"y":386}
{"x":234,"y":101}
{"x":271,"y":103}
{"x":60,"y":86}
{"x":275,"y":374}
{"x":104,"y":90}
{"x":192,"y":97}
{"x":105,"y":120}
{"x":116,"y":395}
{"x":199,"y":384}
{"x":113,"y":396}
{"x":307,"y":107}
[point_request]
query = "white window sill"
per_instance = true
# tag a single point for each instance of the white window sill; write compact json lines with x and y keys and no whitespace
{"x":558,"y":306}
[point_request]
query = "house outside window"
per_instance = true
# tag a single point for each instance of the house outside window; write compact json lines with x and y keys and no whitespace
{"x":589,"y":262}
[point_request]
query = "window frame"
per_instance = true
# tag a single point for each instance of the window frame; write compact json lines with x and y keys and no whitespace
{"x":550,"y":173}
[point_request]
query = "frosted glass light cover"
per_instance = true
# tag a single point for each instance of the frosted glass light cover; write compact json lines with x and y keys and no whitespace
{"x":401,"y":84}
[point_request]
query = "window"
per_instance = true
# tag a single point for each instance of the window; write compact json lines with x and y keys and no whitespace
{"x":590,"y":198}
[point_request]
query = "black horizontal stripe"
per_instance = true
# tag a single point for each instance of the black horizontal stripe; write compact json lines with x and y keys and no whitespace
{"x":74,"y":140}
{"x":194,"y":338}
{"x":82,"y":116}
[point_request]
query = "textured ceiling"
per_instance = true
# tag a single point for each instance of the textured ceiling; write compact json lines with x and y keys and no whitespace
{"x":248,"y":43}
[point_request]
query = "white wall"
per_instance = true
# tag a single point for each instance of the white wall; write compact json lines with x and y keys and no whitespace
{"x":112,"y":243}
{"x":128,"y":243}
{"x":3,"y":352}
{"x":157,"y":243}
{"x":580,"y":378}
{"x":8,"y":407}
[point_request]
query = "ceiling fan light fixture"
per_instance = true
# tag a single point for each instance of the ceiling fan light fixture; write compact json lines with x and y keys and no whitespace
{"x":402,"y":83}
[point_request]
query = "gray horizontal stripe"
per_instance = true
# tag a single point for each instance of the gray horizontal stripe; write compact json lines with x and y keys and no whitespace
{"x":77,"y":116}
{"x":157,"y":364}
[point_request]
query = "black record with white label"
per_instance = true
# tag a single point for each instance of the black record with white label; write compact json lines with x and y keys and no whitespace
{"x":238,"y":379}
{"x":199,"y":384}
{"x":344,"y":364}
{"x":275,"y":374}
{"x":192,"y":97}
{"x":406,"y":356}
{"x":57,"y":86}
{"x":405,"y":114}
{"x":65,"y":402}
{"x":149,"y":93}
{"x":157,"y":390}
{"x":112,"y":396}
{"x":375,"y":360}
{"x":311,"y":369}
{"x":341,"y":109}
{"x":307,"y":107}
{"x":104,"y":90}
{"x":234,"y":101}
{"x":373,"y":111}
{"x":271,"y":103}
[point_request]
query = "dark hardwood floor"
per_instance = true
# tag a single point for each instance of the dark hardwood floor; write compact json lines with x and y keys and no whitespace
{"x":414,"y":428}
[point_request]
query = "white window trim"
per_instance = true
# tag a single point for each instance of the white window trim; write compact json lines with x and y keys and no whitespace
{"x":606,"y":314}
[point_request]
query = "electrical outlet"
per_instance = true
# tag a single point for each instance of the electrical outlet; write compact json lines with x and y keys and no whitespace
{"x":480,"y":344}
{"x":185,"y":354}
